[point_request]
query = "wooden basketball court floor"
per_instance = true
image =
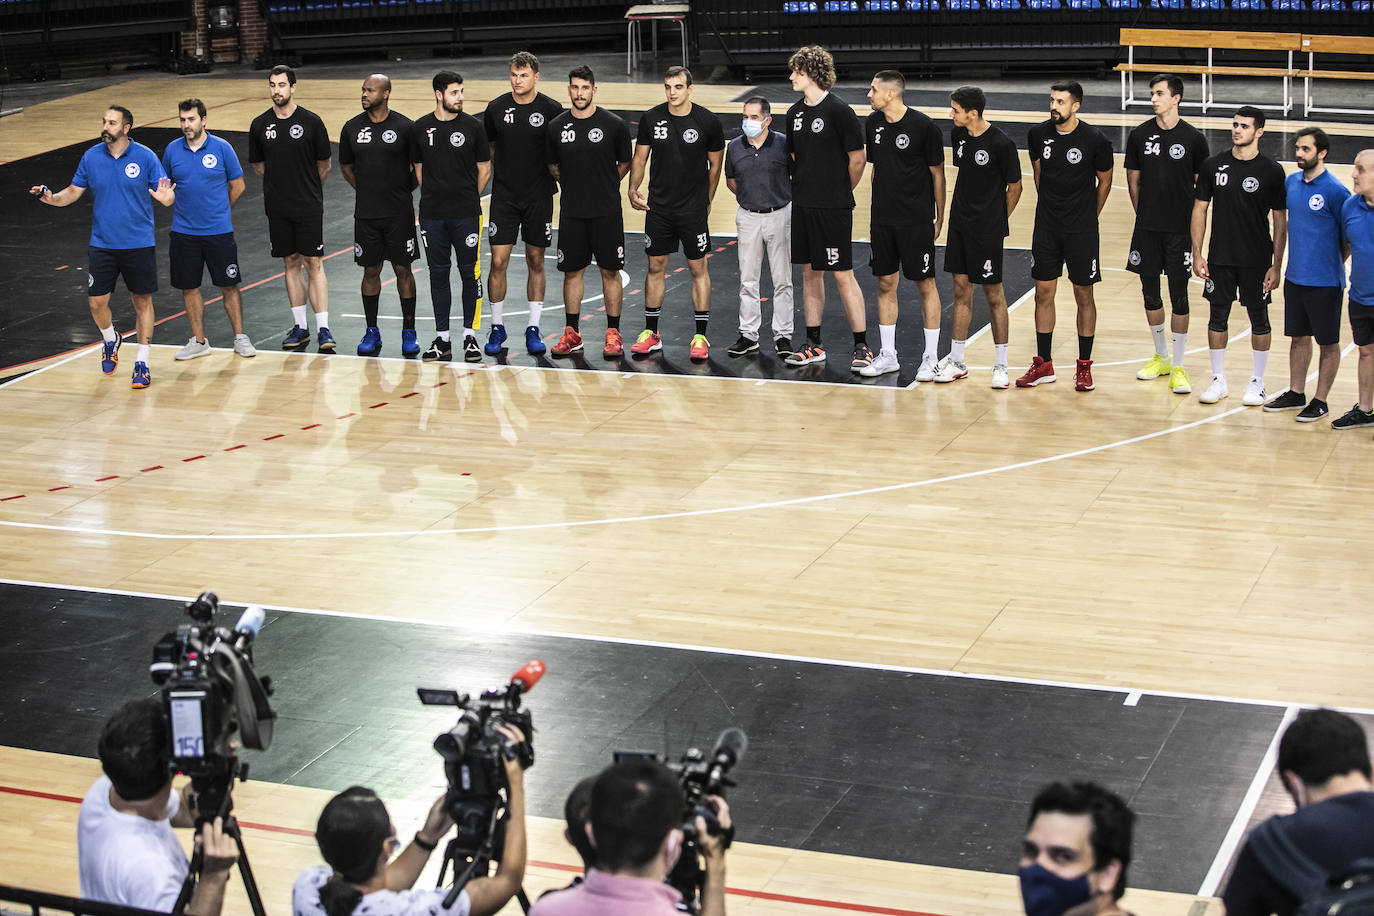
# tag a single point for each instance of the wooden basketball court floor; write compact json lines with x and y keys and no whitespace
{"x":1125,"y":537}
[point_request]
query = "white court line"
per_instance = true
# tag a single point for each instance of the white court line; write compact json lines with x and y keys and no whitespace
{"x":61,"y":362}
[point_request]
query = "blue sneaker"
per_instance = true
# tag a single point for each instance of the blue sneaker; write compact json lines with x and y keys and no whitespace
{"x":534,"y":344}
{"x":410,"y":344}
{"x":142,"y":378}
{"x":109,"y":356}
{"x":371,"y":344}
{"x":496,"y":340}
{"x":326,"y":339}
{"x":298,"y":338}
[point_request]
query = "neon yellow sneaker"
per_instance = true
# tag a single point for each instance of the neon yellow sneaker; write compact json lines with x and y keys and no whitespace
{"x":1156,"y":367}
{"x":1179,"y":382}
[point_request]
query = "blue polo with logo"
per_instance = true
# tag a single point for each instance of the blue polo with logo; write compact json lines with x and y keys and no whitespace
{"x":202,"y":178}
{"x":1314,"y":230}
{"x":122,"y":209}
{"x":1357,"y":228}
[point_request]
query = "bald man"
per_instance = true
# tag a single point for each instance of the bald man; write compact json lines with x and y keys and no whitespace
{"x":1357,"y":232}
{"x":374,"y":156}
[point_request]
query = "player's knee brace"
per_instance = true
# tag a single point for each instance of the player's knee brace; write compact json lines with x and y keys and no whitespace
{"x":1218,"y":319}
{"x":1149,"y":288}
{"x":1178,"y":294}
{"x":1259,"y":319}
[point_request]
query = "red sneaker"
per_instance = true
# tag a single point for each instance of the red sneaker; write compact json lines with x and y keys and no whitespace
{"x":1040,"y":372}
{"x":614,"y":346}
{"x":647,"y":342}
{"x":569,"y":343}
{"x":1083,"y":375}
{"x":700,"y":348}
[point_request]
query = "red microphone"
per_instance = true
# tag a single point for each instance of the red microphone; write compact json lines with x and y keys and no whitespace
{"x":528,"y":676}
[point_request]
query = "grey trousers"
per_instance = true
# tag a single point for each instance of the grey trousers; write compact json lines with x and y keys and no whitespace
{"x":760,"y":232}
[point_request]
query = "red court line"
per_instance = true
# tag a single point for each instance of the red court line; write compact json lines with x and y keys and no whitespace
{"x":555,"y":866}
{"x":277,"y":436}
{"x":8,"y":498}
{"x":156,"y":467}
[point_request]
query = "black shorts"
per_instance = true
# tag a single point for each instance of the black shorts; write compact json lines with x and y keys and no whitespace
{"x":581,"y":239}
{"x":296,"y":236}
{"x":910,"y":248}
{"x":531,"y":221}
{"x":138,"y":267}
{"x":387,"y":238}
{"x":1361,"y":323}
{"x":663,"y":232}
{"x":443,"y":237}
{"x":1051,"y":249}
{"x":823,"y":238}
{"x":1154,"y":253}
{"x":1225,"y":285}
{"x":979,"y":259}
{"x":191,"y":254}
{"x":1312,"y":311}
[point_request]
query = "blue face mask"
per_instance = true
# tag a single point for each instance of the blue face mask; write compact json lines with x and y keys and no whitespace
{"x":1046,"y":894}
{"x":752,"y":128}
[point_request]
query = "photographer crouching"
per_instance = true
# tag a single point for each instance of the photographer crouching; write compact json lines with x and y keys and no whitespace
{"x":126,"y":849}
{"x":357,"y":838}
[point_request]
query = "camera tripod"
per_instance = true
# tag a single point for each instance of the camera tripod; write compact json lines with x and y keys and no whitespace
{"x":214,"y":793}
{"x":473,"y":860}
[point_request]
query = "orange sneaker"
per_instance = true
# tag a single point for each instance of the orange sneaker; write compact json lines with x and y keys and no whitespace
{"x":568,"y":344}
{"x":615,"y":347}
{"x":647,"y":342}
{"x":701,"y":348}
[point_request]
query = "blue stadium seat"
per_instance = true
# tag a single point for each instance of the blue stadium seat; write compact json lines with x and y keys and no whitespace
{"x":954,"y":5}
{"x":1328,"y":6}
{"x":798,"y":6}
{"x":841,"y":6}
{"x":1362,"y":6}
{"x":1085,"y":4}
{"x":1292,"y":6}
{"x":1002,"y":5}
{"x":1207,"y":4}
{"x":1249,"y":5}
{"x":1166,"y":4}
{"x":917,"y":6}
{"x":1042,"y":4}
{"x":882,"y":6}
{"x":1123,"y":4}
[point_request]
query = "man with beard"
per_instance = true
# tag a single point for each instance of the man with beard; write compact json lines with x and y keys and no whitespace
{"x":1163,"y":157}
{"x":208,"y":178}
{"x":1072,"y":162}
{"x":374,"y":155}
{"x":125,"y":178}
{"x":1357,"y":231}
{"x":1242,"y":186}
{"x":289,"y":150}
{"x":452,"y":163}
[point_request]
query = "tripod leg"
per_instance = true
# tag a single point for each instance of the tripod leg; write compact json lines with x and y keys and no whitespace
{"x":250,"y":886}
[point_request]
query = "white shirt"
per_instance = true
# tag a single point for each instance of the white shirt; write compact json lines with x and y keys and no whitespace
{"x":305,"y":899}
{"x":127,"y":858}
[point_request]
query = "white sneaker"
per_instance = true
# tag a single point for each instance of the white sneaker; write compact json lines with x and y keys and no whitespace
{"x":883,"y":363}
{"x":193,"y":349}
{"x":948,"y":370}
{"x":1215,"y":391}
{"x":926,"y":372}
{"x":1254,"y":393}
{"x":1000,"y":377}
{"x":243,"y":346}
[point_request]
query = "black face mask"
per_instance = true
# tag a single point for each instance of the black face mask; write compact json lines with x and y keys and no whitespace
{"x":1044,"y":893}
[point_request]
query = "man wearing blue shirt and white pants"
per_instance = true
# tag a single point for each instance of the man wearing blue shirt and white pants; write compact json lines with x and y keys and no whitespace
{"x":206,"y":172}
{"x":1357,"y":231}
{"x":1315,"y":278}
{"x":124,"y":177}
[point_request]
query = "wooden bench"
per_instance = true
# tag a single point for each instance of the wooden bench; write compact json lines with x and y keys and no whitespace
{"x":1211,"y":40}
{"x":1332,"y":44}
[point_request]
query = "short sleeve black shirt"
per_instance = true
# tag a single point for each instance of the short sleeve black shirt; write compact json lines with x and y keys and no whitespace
{"x":987,"y":163}
{"x":820,"y":138}
{"x":587,"y":152}
{"x":289,"y":149}
{"x":380,"y":156}
{"x":1242,"y":192}
{"x":448,"y":152}
{"x":520,"y":170}
{"x":679,"y":169}
{"x":1167,"y":161}
{"x":1069,"y":164}
{"x":902,"y":154}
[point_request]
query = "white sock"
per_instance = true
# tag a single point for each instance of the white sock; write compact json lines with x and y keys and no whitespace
{"x":496,"y":316}
{"x":469,"y":332}
{"x":1261,"y":361}
{"x":1161,"y":341}
{"x":1180,"y":347}
{"x":298,"y":316}
{"x":142,"y":356}
{"x":1218,"y":362}
{"x":535,"y":309}
{"x":1001,"y":358}
{"x":443,"y":335}
{"x":321,"y":320}
{"x":932,"y":344}
{"x":109,"y":334}
{"x":956,"y":350}
{"x":887,"y":333}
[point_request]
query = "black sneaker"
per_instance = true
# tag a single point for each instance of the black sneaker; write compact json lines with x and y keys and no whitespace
{"x":1289,"y":400}
{"x":439,"y":349}
{"x":1314,"y":411}
{"x":743,"y":347}
{"x":472,"y":351}
{"x":784,"y":347}
{"x":1354,"y":418}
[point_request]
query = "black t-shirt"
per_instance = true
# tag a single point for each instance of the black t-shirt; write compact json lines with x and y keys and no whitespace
{"x":1242,"y":192}
{"x":1069,"y":164}
{"x":448,"y":152}
{"x":902,"y":153}
{"x":587,"y":151}
{"x":987,"y":163}
{"x":380,"y":156}
{"x":679,"y":170}
{"x":520,"y":168}
{"x":820,"y":138}
{"x":1167,"y":161}
{"x":289,"y":149}
{"x":1333,"y":834}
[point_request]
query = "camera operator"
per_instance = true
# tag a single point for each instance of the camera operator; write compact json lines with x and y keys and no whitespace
{"x":635,"y":826}
{"x":126,"y":849}
{"x":357,"y":839}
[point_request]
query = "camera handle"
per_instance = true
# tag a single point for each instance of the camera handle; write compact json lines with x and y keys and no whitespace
{"x":484,"y":856}
{"x":250,"y":886}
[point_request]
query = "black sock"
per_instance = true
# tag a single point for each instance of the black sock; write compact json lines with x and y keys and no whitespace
{"x":613,"y":322}
{"x":813,"y":335}
{"x":1085,"y":347}
{"x":408,"y":313}
{"x":651,"y":319}
{"x":702,"y":319}
{"x":1042,"y":344}
{"x":860,"y":338}
{"x":571,"y":319}
{"x":370,"y":309}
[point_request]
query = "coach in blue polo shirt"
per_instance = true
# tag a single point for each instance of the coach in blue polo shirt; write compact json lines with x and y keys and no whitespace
{"x":124,"y":177}
{"x":206,"y":173}
{"x":1357,"y":231}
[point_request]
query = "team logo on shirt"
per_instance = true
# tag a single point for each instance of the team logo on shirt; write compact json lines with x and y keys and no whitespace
{"x":536,"y":120}
{"x":1177,"y":151}
{"x":1316,"y":202}
{"x":1074,"y":155}
{"x":818,"y":125}
{"x":595,"y":135}
{"x":690,"y":135}
{"x":388,"y":136}
{"x":231,"y":271}
{"x":297,"y":131}
{"x":903,"y":141}
{"x":981,"y":157}
{"x":132,"y":170}
{"x":209,"y":160}
{"x":1134,"y":259}
{"x":1250,"y":184}
{"x":457,"y":138}
{"x":471,"y":240}
{"x":365,"y":135}
{"x":491,"y":230}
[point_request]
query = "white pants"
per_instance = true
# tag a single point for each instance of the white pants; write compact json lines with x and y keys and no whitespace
{"x":757,"y":232}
